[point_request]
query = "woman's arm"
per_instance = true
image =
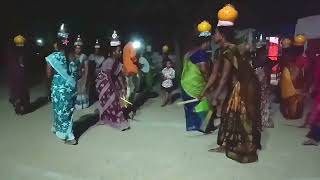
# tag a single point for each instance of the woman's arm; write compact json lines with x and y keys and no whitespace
{"x":225,"y":76}
{"x":212,"y":78}
{"x":204,"y":69}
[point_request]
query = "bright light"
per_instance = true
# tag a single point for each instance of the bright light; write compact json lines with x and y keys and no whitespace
{"x":136,"y":44}
{"x":62,"y":27}
{"x":40,"y":42}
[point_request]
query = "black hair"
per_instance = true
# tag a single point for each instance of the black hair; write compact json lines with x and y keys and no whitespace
{"x":165,"y":60}
{"x":112,"y":49}
{"x":60,"y":44}
{"x":227,"y":32}
{"x":198,"y":41}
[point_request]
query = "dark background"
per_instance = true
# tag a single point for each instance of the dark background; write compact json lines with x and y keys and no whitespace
{"x":157,"y":21}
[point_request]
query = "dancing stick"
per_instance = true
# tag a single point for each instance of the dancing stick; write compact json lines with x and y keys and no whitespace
{"x":187,"y":102}
{"x":126,"y":101}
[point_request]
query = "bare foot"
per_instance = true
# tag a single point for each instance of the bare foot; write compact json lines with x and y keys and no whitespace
{"x":303,"y":126}
{"x":126,"y":129}
{"x":220,"y":149}
{"x":164,"y":104}
{"x":101,"y":123}
{"x":71,"y":142}
{"x":134,"y":113}
{"x":310,"y":142}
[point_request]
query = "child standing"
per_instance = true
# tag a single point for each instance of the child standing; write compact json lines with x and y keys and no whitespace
{"x":168,"y":74}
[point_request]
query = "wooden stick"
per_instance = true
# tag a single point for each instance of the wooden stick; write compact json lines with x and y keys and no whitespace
{"x":126,"y":101}
{"x":187,"y":102}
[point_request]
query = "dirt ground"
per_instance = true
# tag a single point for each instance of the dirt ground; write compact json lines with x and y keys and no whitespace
{"x":156,"y":148}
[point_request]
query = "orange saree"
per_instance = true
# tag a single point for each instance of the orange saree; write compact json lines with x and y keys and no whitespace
{"x":292,"y":85}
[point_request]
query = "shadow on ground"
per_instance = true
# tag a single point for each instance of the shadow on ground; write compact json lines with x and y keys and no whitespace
{"x":175,"y":97}
{"x":84,"y":123}
{"x":38,"y":103}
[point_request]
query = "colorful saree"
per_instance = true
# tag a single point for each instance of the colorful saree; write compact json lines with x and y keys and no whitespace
{"x":265,"y":98}
{"x":198,"y":114}
{"x":291,"y":85}
{"x":109,"y":88}
{"x":240,"y":125}
{"x":63,"y":94}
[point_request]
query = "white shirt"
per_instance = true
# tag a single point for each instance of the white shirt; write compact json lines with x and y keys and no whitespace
{"x":145,"y":64}
{"x":169,"y":75}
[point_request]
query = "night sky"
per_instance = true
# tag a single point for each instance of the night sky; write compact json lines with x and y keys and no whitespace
{"x":161,"y":19}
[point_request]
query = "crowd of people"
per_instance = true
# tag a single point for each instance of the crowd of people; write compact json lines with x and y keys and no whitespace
{"x":229,"y":91}
{"x":232,"y":91}
{"x":76,"y":81}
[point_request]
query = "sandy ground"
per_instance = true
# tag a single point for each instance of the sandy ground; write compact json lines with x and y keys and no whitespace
{"x":156,"y":148}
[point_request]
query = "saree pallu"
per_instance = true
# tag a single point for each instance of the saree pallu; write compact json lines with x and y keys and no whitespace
{"x":109,"y":97}
{"x":241,"y":125}
{"x":292,"y":103}
{"x":63,"y":95}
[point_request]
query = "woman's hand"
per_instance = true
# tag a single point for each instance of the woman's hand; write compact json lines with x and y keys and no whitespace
{"x":202,"y":95}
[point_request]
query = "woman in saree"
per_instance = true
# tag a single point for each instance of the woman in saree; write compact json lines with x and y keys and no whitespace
{"x":82,"y":100}
{"x":314,"y":123}
{"x":292,"y":85}
{"x":239,"y":133}
{"x":64,"y":76}
{"x":110,"y":85}
{"x":17,"y":79}
{"x":263,"y":72}
{"x":313,"y":119}
{"x":95,"y":61}
{"x":193,"y":80}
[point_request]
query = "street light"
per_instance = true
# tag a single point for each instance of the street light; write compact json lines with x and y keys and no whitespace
{"x":136,"y":44}
{"x":40,"y":42}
